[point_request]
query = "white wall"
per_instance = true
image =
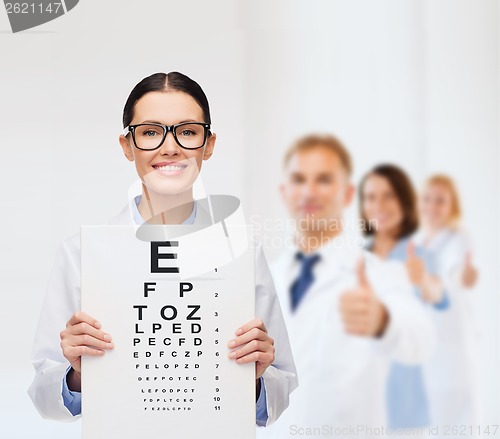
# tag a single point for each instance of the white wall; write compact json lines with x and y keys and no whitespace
{"x":413,"y":82}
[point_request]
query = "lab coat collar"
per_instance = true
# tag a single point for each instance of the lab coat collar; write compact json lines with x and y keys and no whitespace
{"x":127,"y":217}
{"x":338,"y":259}
{"x":138,"y":219}
{"x":338,"y":251}
{"x":437,"y":241}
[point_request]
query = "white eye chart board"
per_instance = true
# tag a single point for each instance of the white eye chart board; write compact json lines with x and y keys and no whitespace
{"x":168,"y":375}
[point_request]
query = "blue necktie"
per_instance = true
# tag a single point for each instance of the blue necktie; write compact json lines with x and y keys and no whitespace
{"x":305,"y":279}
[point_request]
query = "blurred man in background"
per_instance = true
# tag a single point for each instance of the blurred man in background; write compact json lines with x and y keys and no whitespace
{"x":348,"y":313}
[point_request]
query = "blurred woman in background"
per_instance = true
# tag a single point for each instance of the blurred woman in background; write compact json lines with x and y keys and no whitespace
{"x":451,"y":372}
{"x":388,"y":207}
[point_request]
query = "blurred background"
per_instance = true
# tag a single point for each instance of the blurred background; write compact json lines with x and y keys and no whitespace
{"x":415,"y":83}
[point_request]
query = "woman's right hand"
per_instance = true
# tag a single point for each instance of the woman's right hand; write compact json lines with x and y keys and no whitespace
{"x":82,"y":336}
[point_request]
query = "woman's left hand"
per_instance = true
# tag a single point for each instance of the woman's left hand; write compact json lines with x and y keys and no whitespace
{"x":253,"y":344}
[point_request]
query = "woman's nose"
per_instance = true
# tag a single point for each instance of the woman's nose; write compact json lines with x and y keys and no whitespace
{"x":170,"y":146}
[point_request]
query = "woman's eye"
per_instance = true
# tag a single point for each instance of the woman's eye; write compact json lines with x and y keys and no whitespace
{"x":150,"y":133}
{"x":187,"y":133}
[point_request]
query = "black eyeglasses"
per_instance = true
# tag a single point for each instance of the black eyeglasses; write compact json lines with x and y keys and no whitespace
{"x":149,"y":136}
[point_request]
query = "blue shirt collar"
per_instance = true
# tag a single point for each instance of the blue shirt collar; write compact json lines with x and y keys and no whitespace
{"x":138,"y":219}
{"x":398,"y":252}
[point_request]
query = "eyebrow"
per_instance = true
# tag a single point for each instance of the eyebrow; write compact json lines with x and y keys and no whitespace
{"x":161,"y":123}
{"x":321,"y":174}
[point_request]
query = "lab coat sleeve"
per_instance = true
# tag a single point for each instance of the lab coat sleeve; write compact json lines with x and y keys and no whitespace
{"x":453,"y":262}
{"x":62,"y":299}
{"x":409,"y":337}
{"x":280,"y":378}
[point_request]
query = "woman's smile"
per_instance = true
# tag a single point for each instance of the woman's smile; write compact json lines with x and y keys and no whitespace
{"x":170,"y":168}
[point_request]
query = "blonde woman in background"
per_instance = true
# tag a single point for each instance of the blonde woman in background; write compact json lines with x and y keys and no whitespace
{"x":451,"y":373}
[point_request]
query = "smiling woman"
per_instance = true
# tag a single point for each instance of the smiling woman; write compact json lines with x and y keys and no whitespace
{"x":168,"y":136}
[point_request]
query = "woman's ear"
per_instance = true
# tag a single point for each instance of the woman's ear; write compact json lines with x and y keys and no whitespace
{"x":209,"y":149}
{"x":128,"y":150}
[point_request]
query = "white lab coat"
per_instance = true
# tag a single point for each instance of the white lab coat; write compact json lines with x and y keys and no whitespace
{"x":62,"y":299}
{"x":342,"y":377}
{"x":451,"y":373}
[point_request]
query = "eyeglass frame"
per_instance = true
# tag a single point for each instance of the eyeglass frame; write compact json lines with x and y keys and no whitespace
{"x":166,"y":128}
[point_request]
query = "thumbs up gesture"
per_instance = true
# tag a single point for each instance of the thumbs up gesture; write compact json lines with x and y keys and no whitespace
{"x":415,"y":266}
{"x":469,"y":272}
{"x":430,"y":286}
{"x":361,"y":312}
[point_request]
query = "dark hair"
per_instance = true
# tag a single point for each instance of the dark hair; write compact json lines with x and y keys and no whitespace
{"x":165,"y":82}
{"x":405,"y":193}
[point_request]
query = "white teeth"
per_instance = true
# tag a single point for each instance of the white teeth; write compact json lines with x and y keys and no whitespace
{"x":170,"y":168}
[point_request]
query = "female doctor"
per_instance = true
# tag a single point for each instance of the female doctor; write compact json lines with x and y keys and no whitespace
{"x":168,"y":136}
{"x":389,"y":202}
{"x":451,"y":374}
